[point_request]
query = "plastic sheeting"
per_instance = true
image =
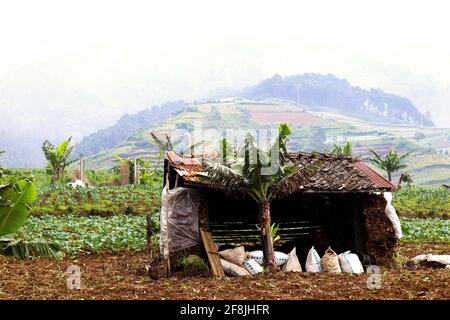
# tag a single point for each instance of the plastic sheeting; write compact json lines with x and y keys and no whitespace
{"x":179,"y":220}
{"x":392,"y":215}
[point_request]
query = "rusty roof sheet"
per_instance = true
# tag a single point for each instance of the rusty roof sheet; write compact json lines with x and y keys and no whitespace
{"x":335,"y":174}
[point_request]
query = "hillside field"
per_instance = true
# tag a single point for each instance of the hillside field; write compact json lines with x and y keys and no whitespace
{"x":312,"y":129}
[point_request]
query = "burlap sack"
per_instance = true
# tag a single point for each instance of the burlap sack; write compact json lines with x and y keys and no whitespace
{"x":236,"y":255}
{"x":330,"y":261}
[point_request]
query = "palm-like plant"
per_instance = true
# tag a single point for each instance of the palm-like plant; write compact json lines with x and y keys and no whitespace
{"x":263,"y":176}
{"x":391,"y":163}
{"x":345,"y":150}
{"x":58,"y":157}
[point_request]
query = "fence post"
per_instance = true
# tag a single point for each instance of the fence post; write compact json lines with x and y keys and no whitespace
{"x":82,"y":168}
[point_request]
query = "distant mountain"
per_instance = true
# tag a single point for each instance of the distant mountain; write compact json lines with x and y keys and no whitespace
{"x":429,"y":162}
{"x":125,"y":127}
{"x":330,"y":92}
{"x":313,"y":91}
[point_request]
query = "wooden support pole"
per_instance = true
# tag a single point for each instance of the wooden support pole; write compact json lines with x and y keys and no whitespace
{"x":82,"y":168}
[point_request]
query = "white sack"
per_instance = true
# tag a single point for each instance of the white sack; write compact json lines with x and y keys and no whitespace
{"x":252,"y":266}
{"x":293,"y":264}
{"x":443,"y":259}
{"x":280,"y":257}
{"x":313,"y":261}
{"x":440,"y":258}
{"x":349,"y":262}
{"x":232,"y":269}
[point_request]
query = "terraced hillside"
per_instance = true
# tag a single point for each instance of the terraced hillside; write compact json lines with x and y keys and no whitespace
{"x":429,"y":162}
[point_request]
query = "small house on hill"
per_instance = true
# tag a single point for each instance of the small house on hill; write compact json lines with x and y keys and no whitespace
{"x":341,"y":206}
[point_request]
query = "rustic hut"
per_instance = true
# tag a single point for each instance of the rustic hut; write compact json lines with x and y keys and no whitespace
{"x":341,"y":206}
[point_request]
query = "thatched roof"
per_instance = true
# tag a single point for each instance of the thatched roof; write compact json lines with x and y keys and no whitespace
{"x":335,"y":174}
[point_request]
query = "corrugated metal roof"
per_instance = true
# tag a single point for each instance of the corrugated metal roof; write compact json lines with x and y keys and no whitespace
{"x":374,"y":176}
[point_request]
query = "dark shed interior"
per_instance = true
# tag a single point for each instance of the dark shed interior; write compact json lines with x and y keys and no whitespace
{"x":304,"y":220}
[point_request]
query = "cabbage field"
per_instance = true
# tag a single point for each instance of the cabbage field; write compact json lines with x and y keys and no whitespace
{"x":422,"y":202}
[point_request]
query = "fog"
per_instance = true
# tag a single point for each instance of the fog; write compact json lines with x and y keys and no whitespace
{"x":71,"y":68}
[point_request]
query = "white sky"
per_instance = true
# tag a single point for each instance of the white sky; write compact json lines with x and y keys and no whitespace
{"x":413,"y":34}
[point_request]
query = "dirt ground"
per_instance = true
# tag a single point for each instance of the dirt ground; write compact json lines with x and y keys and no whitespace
{"x":123,"y":276}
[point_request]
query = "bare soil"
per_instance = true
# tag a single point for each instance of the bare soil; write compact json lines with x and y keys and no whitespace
{"x":123,"y":276}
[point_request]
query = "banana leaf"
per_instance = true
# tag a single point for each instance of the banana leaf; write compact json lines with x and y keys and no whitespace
{"x":21,"y":249}
{"x":15,"y":202}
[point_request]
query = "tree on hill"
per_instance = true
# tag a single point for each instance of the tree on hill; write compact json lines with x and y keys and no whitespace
{"x":391,"y":162}
{"x":419,"y":136}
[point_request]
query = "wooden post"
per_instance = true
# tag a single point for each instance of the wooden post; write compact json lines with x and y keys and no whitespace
{"x":82,"y":168}
{"x":124,"y":173}
{"x":136,"y":172}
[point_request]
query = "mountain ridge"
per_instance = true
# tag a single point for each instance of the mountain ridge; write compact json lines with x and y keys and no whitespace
{"x":317,"y":90}
{"x":309,"y":89}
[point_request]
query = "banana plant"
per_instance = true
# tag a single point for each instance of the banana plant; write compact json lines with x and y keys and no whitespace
{"x":15,"y":204}
{"x":16,"y":200}
{"x":58,"y":157}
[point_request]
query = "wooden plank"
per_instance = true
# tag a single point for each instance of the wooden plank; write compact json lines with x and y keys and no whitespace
{"x":211,"y":251}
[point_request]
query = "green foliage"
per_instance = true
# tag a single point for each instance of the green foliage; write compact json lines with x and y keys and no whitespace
{"x":58,"y":157}
{"x":345,"y":150}
{"x":391,"y":163}
{"x":15,"y":204}
{"x":421,"y":201}
{"x":39,"y":176}
{"x":98,"y":201}
{"x":193,"y":265}
{"x":21,"y":249}
{"x":274,"y":232}
{"x":263,"y":175}
{"x":87,"y":234}
{"x":149,"y":173}
{"x":425,"y":230}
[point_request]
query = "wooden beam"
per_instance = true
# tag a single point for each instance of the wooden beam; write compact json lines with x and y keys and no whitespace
{"x":211,"y":251}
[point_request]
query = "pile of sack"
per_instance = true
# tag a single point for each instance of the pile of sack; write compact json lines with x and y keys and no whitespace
{"x":332,"y":262}
{"x":238,"y":262}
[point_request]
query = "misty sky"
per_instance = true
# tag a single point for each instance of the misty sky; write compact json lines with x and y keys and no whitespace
{"x":403,"y":33}
{"x":169,"y":50}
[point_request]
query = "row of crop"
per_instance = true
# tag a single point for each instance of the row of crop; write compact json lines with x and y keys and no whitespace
{"x":422,"y":202}
{"x":103,"y":201}
{"x":77,"y":234}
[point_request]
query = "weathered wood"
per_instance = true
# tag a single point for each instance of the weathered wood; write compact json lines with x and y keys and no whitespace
{"x":124,"y":173}
{"x":211,"y":251}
